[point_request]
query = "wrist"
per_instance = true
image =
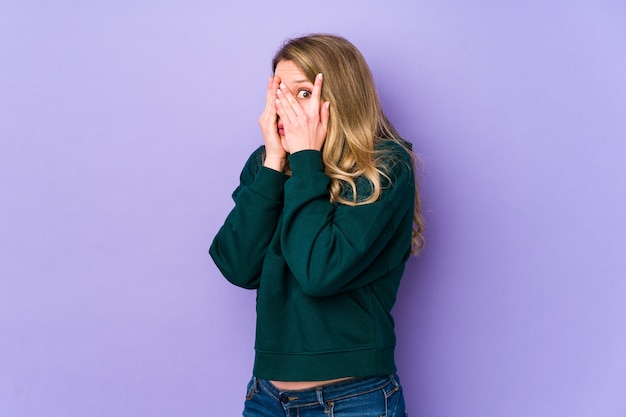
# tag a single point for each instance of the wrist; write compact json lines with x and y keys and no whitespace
{"x":276,"y":163}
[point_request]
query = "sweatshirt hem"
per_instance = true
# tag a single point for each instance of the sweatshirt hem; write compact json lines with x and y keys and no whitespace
{"x":324,"y":366}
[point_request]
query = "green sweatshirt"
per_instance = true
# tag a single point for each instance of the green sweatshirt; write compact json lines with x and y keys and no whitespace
{"x":326,"y":274}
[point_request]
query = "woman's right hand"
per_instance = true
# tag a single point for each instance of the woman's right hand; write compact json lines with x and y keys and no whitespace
{"x":275,"y":154}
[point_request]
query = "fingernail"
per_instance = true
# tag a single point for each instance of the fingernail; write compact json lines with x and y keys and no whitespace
{"x":320,"y":76}
{"x":282,"y":85}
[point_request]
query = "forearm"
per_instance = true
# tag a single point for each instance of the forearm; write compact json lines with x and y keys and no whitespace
{"x":239,"y":247}
{"x":330,"y":246}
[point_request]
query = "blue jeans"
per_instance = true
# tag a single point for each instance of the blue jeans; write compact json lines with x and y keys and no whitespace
{"x":359,"y":397}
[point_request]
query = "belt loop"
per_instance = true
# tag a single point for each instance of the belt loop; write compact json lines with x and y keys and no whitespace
{"x":328,"y":407}
{"x":253,"y":389}
{"x":394,"y":380}
{"x":320,"y":396}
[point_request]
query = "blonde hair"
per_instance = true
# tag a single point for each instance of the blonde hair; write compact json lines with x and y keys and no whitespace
{"x":357,"y":122}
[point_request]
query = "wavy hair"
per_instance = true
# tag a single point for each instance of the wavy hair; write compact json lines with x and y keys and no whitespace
{"x":357,"y":122}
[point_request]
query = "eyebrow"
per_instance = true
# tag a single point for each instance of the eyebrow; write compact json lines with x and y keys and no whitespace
{"x":302,"y":81}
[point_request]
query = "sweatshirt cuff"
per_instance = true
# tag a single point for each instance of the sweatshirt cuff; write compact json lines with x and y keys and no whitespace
{"x":269,"y":183}
{"x":306,"y":161}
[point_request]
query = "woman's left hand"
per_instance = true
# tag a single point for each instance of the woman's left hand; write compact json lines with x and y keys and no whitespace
{"x":305,"y":123}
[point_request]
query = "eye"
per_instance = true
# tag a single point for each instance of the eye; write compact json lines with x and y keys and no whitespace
{"x":304,"y":94}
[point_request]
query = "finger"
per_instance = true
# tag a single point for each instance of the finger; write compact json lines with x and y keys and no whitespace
{"x":288,"y":102}
{"x":325,"y":115}
{"x":269,"y":92}
{"x":280,"y":103}
{"x":272,"y":85}
{"x":317,"y":87}
{"x":270,"y":81}
{"x":268,"y":118}
{"x":284,"y":94}
{"x":271,"y":113}
{"x":270,"y":105}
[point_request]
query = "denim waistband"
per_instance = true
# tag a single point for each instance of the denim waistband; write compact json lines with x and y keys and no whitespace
{"x":331,"y":392}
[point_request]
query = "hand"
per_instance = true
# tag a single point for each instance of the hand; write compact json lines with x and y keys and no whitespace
{"x":275,"y":154}
{"x":305,"y":122}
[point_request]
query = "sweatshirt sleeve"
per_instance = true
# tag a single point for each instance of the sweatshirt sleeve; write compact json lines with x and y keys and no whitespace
{"x":239,"y":247}
{"x":336,"y":247}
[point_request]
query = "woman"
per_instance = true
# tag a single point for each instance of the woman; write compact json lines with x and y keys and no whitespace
{"x":325,"y":218}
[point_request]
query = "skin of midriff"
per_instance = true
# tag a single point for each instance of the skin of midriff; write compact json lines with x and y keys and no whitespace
{"x":297,"y":386}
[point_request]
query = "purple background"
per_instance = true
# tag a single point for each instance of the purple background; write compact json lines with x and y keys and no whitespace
{"x":123,"y":128}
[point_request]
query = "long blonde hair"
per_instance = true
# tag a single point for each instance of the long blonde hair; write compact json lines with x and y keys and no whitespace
{"x":357,"y":122}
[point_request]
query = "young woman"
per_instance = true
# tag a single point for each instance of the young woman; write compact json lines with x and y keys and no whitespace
{"x":326,"y":216}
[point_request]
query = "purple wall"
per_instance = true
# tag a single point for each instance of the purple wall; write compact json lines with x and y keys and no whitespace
{"x":123,"y":127}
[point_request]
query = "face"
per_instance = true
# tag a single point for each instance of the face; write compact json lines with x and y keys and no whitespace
{"x":298,"y":84}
